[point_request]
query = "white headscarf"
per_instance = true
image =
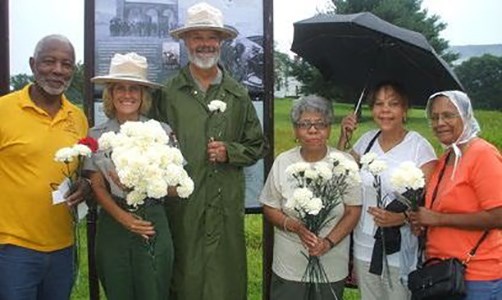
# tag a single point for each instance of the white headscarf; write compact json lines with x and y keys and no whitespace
{"x":471,"y":125}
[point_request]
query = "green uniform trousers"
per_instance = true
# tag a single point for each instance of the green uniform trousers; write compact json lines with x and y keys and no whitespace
{"x":128,"y":267}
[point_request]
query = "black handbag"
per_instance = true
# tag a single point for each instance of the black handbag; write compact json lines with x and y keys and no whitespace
{"x":441,"y":279}
{"x":438,"y":279}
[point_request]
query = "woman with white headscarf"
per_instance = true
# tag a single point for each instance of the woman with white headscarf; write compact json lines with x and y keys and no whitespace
{"x":464,"y":197}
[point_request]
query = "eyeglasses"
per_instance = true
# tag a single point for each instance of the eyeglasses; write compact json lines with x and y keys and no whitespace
{"x":447,"y":117}
{"x":308,"y":124}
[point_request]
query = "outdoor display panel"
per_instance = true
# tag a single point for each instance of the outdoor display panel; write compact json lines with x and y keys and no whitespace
{"x":143,"y":26}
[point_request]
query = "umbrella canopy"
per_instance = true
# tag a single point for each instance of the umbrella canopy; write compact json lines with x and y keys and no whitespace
{"x":361,"y":50}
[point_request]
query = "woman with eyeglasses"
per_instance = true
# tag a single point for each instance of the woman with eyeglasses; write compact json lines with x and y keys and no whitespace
{"x":311,"y":118}
{"x":464,"y":198}
{"x":393,"y":143}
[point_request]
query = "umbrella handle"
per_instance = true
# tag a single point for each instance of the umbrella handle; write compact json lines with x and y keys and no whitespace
{"x":348,"y":134}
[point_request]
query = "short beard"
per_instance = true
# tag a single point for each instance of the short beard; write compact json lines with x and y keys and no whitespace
{"x":204,"y":62}
{"x":44,"y":87}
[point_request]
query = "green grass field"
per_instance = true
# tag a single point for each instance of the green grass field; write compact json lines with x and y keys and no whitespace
{"x":491,"y":122}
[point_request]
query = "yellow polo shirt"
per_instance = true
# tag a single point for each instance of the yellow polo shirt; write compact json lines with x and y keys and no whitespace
{"x":29,"y":138}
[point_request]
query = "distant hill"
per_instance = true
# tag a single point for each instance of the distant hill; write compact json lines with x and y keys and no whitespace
{"x":468,"y":51}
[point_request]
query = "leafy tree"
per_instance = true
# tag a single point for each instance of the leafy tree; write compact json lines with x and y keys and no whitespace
{"x":18,"y":81}
{"x":482,"y":79}
{"x":75,"y":92}
{"x":282,"y":69}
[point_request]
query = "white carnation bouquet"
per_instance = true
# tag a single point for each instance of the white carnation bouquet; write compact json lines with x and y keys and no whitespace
{"x":408,"y":181}
{"x":320,"y":187}
{"x":145,"y":163}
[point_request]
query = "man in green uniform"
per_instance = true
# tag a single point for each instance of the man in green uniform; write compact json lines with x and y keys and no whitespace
{"x":219,"y":133}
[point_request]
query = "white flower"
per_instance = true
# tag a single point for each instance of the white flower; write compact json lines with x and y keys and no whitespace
{"x":311,"y":174}
{"x":65,"y":155}
{"x":377,"y":167}
{"x":337,"y":157}
{"x":407,"y":176}
{"x":324,"y":170}
{"x":368,"y":158}
{"x":302,"y":194}
{"x":373,"y":165}
{"x":217,"y":105}
{"x":135,"y":198}
{"x":106,"y":140}
{"x":297,"y":168}
{"x":313,"y":206}
{"x":82,"y":150}
{"x":185,"y":188}
{"x":156,"y":189}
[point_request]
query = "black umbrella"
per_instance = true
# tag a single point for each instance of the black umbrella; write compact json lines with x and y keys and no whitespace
{"x":361,"y":50}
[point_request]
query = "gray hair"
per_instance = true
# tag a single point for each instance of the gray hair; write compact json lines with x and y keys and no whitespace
{"x":312,"y":103}
{"x":57,"y":37}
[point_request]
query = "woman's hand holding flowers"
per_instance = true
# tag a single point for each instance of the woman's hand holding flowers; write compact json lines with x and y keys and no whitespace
{"x":308,"y":238}
{"x":322,"y":246}
{"x":424,"y":217}
{"x":385,"y":218}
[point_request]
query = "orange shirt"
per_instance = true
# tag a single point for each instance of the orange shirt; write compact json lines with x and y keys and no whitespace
{"x":475,"y":187}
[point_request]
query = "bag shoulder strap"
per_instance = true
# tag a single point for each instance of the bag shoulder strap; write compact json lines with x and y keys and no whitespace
{"x":370,"y":145}
{"x":475,"y":248}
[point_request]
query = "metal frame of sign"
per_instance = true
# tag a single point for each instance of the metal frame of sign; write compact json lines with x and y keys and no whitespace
{"x":258,"y":77}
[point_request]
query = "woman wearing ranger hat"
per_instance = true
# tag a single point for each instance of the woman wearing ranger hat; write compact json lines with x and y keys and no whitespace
{"x":208,"y":228}
{"x":126,"y":267}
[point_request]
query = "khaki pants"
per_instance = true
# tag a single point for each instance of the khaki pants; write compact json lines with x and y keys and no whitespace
{"x":375,"y":287}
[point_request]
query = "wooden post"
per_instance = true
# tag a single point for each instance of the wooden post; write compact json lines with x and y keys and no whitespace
{"x":268,"y":126}
{"x":4,"y":49}
{"x":89,"y":36}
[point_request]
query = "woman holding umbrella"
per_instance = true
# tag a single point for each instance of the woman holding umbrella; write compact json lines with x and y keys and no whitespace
{"x":464,"y":199}
{"x":394,"y":144}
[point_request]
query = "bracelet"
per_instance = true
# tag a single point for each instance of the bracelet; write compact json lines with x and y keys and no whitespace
{"x":285,"y":224}
{"x":330,"y":242}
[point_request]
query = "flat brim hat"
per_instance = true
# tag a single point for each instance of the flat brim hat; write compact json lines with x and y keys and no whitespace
{"x":203,"y":16}
{"x":130,"y":67}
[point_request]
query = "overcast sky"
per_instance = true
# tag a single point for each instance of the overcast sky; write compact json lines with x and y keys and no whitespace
{"x":469,"y":23}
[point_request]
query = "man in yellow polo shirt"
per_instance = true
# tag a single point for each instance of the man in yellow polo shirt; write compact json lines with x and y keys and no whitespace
{"x":36,"y":237}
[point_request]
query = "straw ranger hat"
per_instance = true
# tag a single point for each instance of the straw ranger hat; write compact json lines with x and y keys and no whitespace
{"x":203,"y":16}
{"x":129,"y":67}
